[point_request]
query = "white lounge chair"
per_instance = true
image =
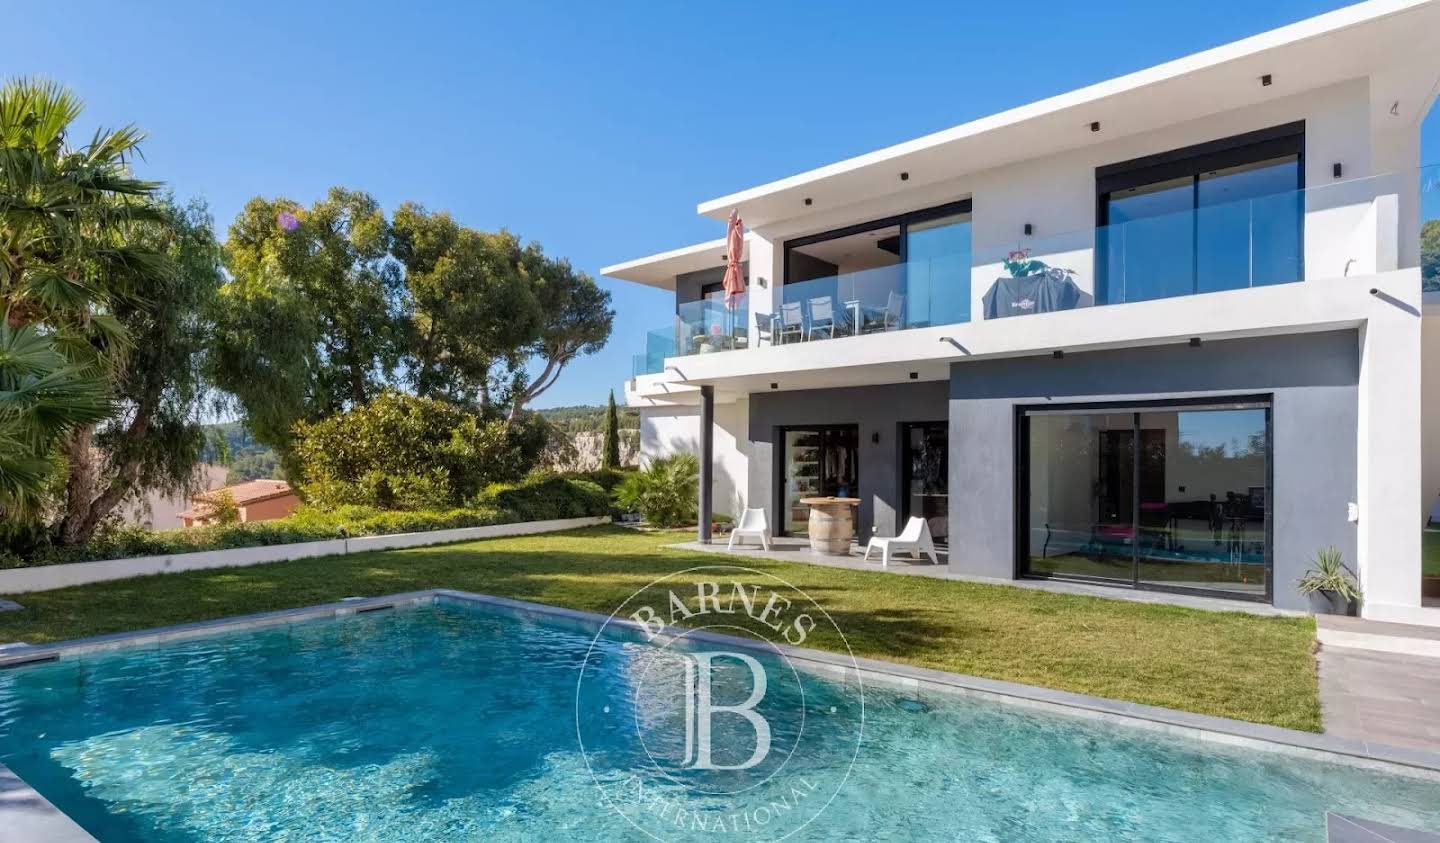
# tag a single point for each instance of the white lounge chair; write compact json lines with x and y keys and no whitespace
{"x":752,"y":525}
{"x":915,"y":539}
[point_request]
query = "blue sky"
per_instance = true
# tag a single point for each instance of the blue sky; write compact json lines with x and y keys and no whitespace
{"x":593,"y":128}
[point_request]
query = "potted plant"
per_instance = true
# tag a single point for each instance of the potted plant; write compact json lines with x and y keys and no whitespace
{"x":1330,"y":585}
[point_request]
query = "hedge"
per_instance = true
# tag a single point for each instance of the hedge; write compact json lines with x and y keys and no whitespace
{"x":542,"y":499}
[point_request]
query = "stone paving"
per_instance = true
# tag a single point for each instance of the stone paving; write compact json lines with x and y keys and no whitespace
{"x":1376,"y":697}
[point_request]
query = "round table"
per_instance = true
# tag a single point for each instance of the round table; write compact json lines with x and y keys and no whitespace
{"x":832,"y":524}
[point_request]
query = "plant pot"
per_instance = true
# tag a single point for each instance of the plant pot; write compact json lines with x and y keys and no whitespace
{"x":1331,"y":603}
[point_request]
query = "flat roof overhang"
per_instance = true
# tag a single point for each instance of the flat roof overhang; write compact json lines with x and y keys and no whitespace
{"x":659,"y":270}
{"x":1395,"y":43}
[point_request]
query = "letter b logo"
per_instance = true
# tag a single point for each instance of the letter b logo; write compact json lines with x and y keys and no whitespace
{"x":700,"y":707}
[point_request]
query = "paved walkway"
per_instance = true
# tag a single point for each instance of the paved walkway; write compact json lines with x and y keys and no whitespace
{"x":1377,"y":697}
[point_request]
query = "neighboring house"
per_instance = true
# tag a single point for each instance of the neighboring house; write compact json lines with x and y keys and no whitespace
{"x":258,"y":500}
{"x":1214,"y":371}
{"x":158,"y":511}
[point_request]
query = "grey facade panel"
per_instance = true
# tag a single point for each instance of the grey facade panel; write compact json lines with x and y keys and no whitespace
{"x":876,"y":410}
{"x":1311,"y":378}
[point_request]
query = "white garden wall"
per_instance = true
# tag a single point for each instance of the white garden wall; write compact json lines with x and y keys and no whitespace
{"x":47,"y":577}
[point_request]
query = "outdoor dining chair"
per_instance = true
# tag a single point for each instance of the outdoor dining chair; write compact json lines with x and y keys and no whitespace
{"x":891,"y":317}
{"x":822,"y":317}
{"x":791,"y":320}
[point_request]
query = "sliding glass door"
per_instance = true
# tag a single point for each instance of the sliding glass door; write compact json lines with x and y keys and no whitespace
{"x":819,"y":461}
{"x":1173,"y":497}
{"x":925,"y":481}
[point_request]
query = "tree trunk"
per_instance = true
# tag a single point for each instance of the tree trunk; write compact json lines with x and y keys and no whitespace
{"x":79,"y":486}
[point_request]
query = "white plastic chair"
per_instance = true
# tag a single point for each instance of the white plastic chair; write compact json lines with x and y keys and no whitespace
{"x":915,"y":539}
{"x":752,"y":525}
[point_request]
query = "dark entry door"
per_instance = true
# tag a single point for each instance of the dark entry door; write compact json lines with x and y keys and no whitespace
{"x":925,"y":479}
{"x":819,"y":461}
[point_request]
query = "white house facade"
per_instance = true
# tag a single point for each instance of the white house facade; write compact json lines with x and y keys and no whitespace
{"x":1166,"y":331}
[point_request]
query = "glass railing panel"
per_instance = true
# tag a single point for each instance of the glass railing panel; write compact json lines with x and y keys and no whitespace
{"x":1336,"y":230}
{"x":712,"y":325}
{"x":916,"y":294}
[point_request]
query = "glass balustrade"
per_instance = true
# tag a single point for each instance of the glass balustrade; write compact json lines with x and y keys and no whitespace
{"x":1329,"y":231}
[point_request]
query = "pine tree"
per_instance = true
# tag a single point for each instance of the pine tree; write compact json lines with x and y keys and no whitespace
{"x":610,"y":456}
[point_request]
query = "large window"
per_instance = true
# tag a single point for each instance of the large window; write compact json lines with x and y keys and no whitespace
{"x":819,"y":461}
{"x":1219,"y":216}
{"x":1163,"y":496}
{"x":900,"y":272}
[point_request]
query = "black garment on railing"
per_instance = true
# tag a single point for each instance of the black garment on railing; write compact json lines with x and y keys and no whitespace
{"x":1042,"y":292}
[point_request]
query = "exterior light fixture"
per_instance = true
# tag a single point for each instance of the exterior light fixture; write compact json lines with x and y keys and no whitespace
{"x":914,"y":376}
{"x":774,"y":385}
{"x":1194,"y":342}
{"x":809,"y":201}
{"x":875,"y":437}
{"x":1029,"y":229}
{"x":1336,"y":170}
{"x":1058,"y":354}
{"x":1265,"y":81}
{"x":1095,"y":126}
{"x":904,"y":177}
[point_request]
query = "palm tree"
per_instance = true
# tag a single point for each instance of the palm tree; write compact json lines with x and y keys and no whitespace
{"x":65,"y":264}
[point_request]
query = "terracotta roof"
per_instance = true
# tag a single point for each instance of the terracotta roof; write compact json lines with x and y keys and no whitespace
{"x":251,"y":491}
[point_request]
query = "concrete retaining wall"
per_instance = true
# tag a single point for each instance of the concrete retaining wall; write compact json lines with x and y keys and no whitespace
{"x":47,"y":577}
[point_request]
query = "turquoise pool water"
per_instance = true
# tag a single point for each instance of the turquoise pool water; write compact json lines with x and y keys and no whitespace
{"x":455,"y":723}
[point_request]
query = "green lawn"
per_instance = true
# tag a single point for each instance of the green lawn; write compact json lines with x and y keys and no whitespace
{"x":1430,"y":553}
{"x":1229,"y":664}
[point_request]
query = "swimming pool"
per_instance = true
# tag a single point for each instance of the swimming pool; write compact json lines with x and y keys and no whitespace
{"x":451,"y":722}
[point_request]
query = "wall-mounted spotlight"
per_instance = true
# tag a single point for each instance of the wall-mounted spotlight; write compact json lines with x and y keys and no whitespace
{"x":875,"y":437}
{"x":904,"y":177}
{"x":1058,"y":354}
{"x":809,"y":201}
{"x":1029,"y":229}
{"x":1336,"y":169}
{"x":914,"y":376}
{"x":1095,"y":126}
{"x":774,"y":385}
{"x":1265,"y":81}
{"x":1194,"y":342}
{"x":760,"y":280}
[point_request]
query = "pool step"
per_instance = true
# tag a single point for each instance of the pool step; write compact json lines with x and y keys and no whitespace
{"x":1342,"y":829}
{"x":1359,"y":634}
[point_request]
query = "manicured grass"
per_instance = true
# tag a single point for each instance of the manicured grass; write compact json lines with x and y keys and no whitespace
{"x":1430,"y":553}
{"x":1225,"y":663}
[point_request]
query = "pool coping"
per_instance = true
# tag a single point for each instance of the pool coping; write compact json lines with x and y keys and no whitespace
{"x":917,"y":682}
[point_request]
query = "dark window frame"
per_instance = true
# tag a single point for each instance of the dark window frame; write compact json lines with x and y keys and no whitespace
{"x":902,"y":491}
{"x":963,"y":206}
{"x":1023,"y":413}
{"x":778,"y":468}
{"x":1192,"y":162}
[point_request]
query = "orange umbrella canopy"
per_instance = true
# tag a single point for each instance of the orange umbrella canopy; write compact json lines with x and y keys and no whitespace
{"x":735,"y":250}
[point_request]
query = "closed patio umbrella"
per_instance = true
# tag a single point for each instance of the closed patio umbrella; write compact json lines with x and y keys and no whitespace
{"x":734,"y":282}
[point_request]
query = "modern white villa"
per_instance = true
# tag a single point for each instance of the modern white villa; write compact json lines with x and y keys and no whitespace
{"x":1162,"y":332}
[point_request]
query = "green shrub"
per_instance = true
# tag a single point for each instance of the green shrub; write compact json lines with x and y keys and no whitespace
{"x":541,"y":498}
{"x":408,"y":453}
{"x":548,"y":498}
{"x":666,"y":493}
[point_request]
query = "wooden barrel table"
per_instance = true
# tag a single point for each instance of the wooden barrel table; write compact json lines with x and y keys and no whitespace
{"x":832,"y":524}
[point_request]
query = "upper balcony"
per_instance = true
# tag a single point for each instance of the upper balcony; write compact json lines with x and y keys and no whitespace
{"x":1222,"y":232}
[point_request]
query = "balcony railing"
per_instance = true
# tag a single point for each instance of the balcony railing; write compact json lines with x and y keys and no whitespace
{"x":700,"y":327}
{"x":1337,"y":230}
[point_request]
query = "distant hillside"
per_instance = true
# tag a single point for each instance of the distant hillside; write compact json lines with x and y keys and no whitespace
{"x":585,"y":418}
{"x":249,"y":460}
